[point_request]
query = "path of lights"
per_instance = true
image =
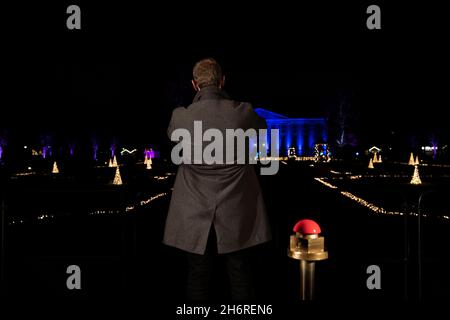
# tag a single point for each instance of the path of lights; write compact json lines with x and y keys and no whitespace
{"x":371,"y":206}
{"x":20,"y":174}
{"x":147,"y":201}
{"x":45,"y":216}
{"x":110,"y":211}
{"x":41,"y":217}
{"x":337,"y":172}
{"x":356,"y":177}
{"x":361,"y":201}
{"x":160,"y":177}
{"x":425,"y":164}
{"x":329,"y":185}
{"x":287,"y":158}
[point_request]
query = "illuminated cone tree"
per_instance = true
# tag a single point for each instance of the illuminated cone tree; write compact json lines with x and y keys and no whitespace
{"x":114,"y":163}
{"x":411,"y":159}
{"x":379,"y":159}
{"x":55,"y":168}
{"x":145,"y":160}
{"x":110,"y":163}
{"x":370,"y":164}
{"x":416,"y":178}
{"x":117,"y":178}
{"x":416,"y":163}
{"x":149,"y":163}
{"x":375,"y":159}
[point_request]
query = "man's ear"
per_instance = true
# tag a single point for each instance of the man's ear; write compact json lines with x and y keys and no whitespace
{"x":195,"y":86}
{"x":222,"y":82}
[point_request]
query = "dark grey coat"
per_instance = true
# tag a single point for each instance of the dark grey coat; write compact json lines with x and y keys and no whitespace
{"x":227,"y":197}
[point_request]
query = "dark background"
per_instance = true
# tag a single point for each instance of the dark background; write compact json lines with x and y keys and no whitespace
{"x":129,"y":66}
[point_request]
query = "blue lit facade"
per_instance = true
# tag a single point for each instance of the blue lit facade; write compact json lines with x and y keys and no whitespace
{"x":300,"y":133}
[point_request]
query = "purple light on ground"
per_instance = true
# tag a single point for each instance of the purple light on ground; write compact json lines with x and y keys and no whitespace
{"x":46,"y":142}
{"x":44,"y":152}
{"x":71,"y":151}
{"x":95,"y":151}
{"x":151,"y":153}
{"x":2,"y":145}
{"x":435,"y":146}
{"x":113,"y":150}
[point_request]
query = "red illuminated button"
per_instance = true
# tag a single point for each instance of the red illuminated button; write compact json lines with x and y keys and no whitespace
{"x":307,"y":226}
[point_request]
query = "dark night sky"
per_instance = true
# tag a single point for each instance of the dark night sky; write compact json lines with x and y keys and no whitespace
{"x":129,"y":67}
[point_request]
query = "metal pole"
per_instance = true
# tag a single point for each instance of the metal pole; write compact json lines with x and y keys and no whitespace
{"x":307,"y":246}
{"x":405,"y":253}
{"x":307,"y":273}
{"x":135,"y":217}
{"x":419,"y":246}
{"x":3,"y":236}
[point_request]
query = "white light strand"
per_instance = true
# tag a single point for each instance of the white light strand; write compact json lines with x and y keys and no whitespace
{"x":144,"y":202}
{"x":329,"y":185}
{"x":160,"y":177}
{"x":369,"y":205}
{"x":374,"y":208}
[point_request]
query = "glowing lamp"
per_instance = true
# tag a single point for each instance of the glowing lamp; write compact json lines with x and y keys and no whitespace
{"x":307,"y":246}
{"x":306,"y":227}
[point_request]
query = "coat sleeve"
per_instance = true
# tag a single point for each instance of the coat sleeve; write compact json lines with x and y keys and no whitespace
{"x":260,"y":122}
{"x":257,"y":121}
{"x":173,"y":124}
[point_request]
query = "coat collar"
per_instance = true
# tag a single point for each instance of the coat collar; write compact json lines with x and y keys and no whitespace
{"x":211,"y":93}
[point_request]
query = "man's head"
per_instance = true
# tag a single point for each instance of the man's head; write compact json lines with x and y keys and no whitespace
{"x":207,"y":72}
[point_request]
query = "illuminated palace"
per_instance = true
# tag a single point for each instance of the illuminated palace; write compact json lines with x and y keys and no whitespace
{"x":299,"y":133}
